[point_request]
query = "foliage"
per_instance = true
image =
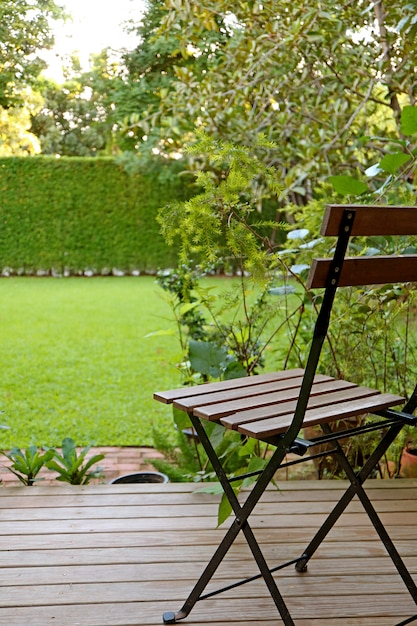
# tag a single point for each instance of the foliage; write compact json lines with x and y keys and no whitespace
{"x":74,"y":214}
{"x":77,"y":116}
{"x":224,"y":335}
{"x":25,"y":30}
{"x":73,"y":468}
{"x":15,"y":136}
{"x":314,"y":79}
{"x":26,"y":465}
{"x":221,"y":227}
{"x":151,"y":69}
{"x":223,"y":221}
{"x":373,"y":332}
{"x":385,"y":358}
{"x":393,"y":173}
{"x":184,"y":460}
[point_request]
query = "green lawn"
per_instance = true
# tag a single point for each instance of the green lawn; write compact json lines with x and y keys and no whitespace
{"x":75,"y":361}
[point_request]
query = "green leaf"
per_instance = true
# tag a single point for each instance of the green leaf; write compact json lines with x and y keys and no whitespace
{"x":181,"y":419}
{"x":94,"y":459}
{"x":248,"y":448}
{"x":187,"y":307}
{"x":214,"y":488}
{"x":256,"y":464}
{"x":234,"y":370}
{"x":160,"y":333}
{"x":409,"y":120}
{"x":224,"y":511}
{"x":391,"y":163}
{"x":68,"y":450}
{"x":347,"y":185}
{"x":206,"y":357}
{"x":216,"y":436}
{"x":53,"y":465}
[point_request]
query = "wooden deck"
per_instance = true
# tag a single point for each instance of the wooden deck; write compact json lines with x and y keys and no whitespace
{"x":121,"y":555}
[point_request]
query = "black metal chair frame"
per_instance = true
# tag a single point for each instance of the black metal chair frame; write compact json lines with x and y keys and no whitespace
{"x":392,"y":421}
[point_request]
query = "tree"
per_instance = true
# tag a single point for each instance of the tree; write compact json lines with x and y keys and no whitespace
{"x":318,"y":80}
{"x":77,"y":117}
{"x":25,"y":30}
{"x":15,"y":136}
{"x":154,"y":69}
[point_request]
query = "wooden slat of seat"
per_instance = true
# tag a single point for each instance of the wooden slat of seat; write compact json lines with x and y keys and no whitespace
{"x":230,"y":395}
{"x":372,"y":220}
{"x":339,"y":393}
{"x":366,"y":271}
{"x":264,"y":429}
{"x":167,"y":397}
{"x":213,"y":412}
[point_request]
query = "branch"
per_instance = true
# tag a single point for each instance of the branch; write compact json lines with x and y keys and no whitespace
{"x":387,"y":59}
{"x":352,"y":117}
{"x":349,"y":88}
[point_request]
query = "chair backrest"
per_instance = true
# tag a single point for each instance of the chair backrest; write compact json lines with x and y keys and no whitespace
{"x":346,"y":221}
{"x":367,"y":221}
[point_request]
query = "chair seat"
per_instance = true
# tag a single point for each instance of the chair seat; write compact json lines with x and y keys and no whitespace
{"x":263,"y":406}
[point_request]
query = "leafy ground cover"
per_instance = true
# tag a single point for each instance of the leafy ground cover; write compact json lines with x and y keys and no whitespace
{"x":76,"y":362}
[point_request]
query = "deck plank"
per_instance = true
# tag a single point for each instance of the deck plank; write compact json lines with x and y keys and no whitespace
{"x":121,"y":555}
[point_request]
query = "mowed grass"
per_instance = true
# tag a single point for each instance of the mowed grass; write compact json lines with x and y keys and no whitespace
{"x":75,"y":361}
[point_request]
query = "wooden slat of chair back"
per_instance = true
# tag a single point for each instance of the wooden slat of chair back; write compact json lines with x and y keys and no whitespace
{"x":372,"y":220}
{"x":356,"y":271}
{"x":375,"y":270}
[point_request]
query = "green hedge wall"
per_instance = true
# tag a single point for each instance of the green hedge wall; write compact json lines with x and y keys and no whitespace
{"x":78,"y":214}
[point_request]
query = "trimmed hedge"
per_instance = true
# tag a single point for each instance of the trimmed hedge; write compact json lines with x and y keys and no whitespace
{"x":76,"y":214}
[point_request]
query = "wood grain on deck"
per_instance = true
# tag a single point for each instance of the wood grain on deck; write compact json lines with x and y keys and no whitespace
{"x":121,"y":555}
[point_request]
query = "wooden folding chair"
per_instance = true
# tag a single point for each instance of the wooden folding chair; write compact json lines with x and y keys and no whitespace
{"x":274,"y":407}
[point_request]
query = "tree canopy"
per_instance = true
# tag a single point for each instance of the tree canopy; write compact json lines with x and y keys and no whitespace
{"x":77,"y":116}
{"x":25,"y":30}
{"x":318,"y":80}
{"x":152,"y":71}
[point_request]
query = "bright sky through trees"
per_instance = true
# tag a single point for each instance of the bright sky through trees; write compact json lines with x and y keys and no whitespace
{"x":96,"y":24}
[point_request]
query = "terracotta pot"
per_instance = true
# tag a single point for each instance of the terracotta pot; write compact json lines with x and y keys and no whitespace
{"x":408,"y":463}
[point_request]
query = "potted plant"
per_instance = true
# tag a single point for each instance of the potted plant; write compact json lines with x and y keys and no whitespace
{"x":141,"y":477}
{"x":408,"y":460}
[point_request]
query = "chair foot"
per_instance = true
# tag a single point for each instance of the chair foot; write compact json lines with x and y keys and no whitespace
{"x":173,"y":618}
{"x":301,"y":566}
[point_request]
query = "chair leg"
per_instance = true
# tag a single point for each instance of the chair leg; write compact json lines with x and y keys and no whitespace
{"x":206,"y":576}
{"x":386,"y":539}
{"x":356,"y":488}
{"x":239,"y":524}
{"x":356,"y":480}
